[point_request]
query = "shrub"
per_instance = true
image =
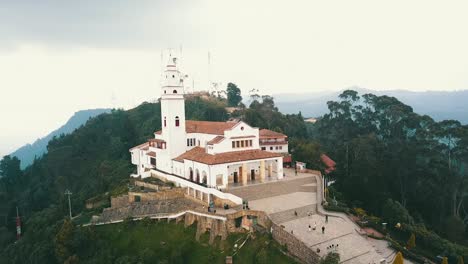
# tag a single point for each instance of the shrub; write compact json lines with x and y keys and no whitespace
{"x":331,"y":258}
{"x":394,"y":213}
{"x":454,"y":228}
{"x":360,"y":212}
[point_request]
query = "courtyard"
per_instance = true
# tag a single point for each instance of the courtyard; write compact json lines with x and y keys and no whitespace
{"x":294,"y":203}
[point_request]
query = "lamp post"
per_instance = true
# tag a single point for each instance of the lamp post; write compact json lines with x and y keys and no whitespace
{"x":67,"y":192}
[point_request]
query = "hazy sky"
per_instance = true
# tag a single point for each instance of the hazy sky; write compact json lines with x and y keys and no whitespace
{"x":58,"y":57}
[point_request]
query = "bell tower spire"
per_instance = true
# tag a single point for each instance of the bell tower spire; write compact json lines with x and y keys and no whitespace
{"x":173,"y":109}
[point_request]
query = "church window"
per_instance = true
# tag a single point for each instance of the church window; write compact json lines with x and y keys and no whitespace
{"x":242,"y":143}
{"x":177,"y":122}
{"x":250,"y":142}
{"x":233,"y":144}
{"x":175,"y":91}
{"x":237,"y":144}
{"x":188,"y":142}
{"x":271,"y":148}
{"x":263,"y":148}
{"x":165,"y":123}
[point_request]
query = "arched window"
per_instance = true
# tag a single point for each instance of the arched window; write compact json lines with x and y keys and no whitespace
{"x":175,"y":91}
{"x":165,"y":123}
{"x":164,"y":91}
{"x":177,"y":122}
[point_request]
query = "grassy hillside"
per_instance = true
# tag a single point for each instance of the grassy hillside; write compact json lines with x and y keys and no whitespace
{"x":150,"y":241}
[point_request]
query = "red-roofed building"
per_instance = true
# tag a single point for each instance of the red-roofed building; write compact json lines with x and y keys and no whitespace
{"x":214,"y":154}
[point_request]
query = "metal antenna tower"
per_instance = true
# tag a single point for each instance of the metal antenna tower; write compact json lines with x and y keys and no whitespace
{"x":67,"y":192}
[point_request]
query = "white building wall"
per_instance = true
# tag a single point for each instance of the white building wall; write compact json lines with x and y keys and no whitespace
{"x":275,"y":148}
{"x":200,"y":139}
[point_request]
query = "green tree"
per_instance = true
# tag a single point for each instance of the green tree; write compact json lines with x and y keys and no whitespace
{"x":394,"y":212}
{"x":63,"y":241}
{"x":233,"y":95}
{"x":454,"y":228}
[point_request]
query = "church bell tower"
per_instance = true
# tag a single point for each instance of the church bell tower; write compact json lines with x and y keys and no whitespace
{"x":173,"y":109}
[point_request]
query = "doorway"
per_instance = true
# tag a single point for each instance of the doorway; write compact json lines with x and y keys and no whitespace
{"x":236,"y":177}
{"x":252,"y":175}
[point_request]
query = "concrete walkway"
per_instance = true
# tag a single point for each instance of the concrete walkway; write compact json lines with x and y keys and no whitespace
{"x":295,"y":203}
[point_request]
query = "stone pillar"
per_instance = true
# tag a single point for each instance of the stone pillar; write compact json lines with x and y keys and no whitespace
{"x":244,"y":174}
{"x":262,"y":170}
{"x":279,"y":168}
{"x":270,"y":169}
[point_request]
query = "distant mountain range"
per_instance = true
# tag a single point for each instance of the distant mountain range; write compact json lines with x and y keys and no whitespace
{"x":439,"y":105}
{"x":27,"y":152}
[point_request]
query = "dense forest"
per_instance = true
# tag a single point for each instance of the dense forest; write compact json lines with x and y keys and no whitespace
{"x":399,"y":166}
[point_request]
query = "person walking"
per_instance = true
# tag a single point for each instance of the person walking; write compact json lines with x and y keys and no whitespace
{"x":310,"y":228}
{"x":295,"y":213}
{"x":315,"y":226}
{"x":323,"y":229}
{"x":326,"y":218}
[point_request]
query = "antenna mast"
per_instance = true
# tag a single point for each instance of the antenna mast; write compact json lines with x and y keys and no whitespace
{"x":67,"y":192}
{"x":18,"y":224}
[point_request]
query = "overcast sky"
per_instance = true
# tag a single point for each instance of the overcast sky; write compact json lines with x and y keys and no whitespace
{"x":58,"y":57}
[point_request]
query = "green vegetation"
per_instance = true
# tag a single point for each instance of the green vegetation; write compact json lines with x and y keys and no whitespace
{"x":91,"y":161}
{"x":233,"y":95}
{"x":398,"y":166}
{"x":404,"y":167}
{"x":331,"y":258}
{"x":150,"y":241}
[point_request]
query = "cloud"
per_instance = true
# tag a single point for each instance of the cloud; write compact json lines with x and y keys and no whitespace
{"x":107,"y":24}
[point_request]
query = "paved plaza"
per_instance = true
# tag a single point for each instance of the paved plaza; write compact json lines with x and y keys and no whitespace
{"x":293,"y":203}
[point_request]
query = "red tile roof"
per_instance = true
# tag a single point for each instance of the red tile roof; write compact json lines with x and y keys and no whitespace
{"x":252,"y":136}
{"x":156,"y":140}
{"x":329,"y":163}
{"x":266,"y":133}
{"x":141,"y":146}
{"x":208,"y":127}
{"x":199,"y":154}
{"x":215,"y":140}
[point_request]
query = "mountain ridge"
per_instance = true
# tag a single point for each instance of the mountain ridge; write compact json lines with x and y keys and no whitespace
{"x":28,"y":152}
{"x":439,"y":105}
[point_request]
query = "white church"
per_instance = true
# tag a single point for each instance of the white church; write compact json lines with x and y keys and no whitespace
{"x":211,"y":154}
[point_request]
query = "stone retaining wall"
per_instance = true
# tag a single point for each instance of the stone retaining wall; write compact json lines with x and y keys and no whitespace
{"x":294,"y":246}
{"x":120,"y":201}
{"x":161,"y":195}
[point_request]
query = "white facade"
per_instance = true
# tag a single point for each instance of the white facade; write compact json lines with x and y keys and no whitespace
{"x":214,"y":154}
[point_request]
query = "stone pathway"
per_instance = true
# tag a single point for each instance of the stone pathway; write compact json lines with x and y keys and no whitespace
{"x":280,"y":199}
